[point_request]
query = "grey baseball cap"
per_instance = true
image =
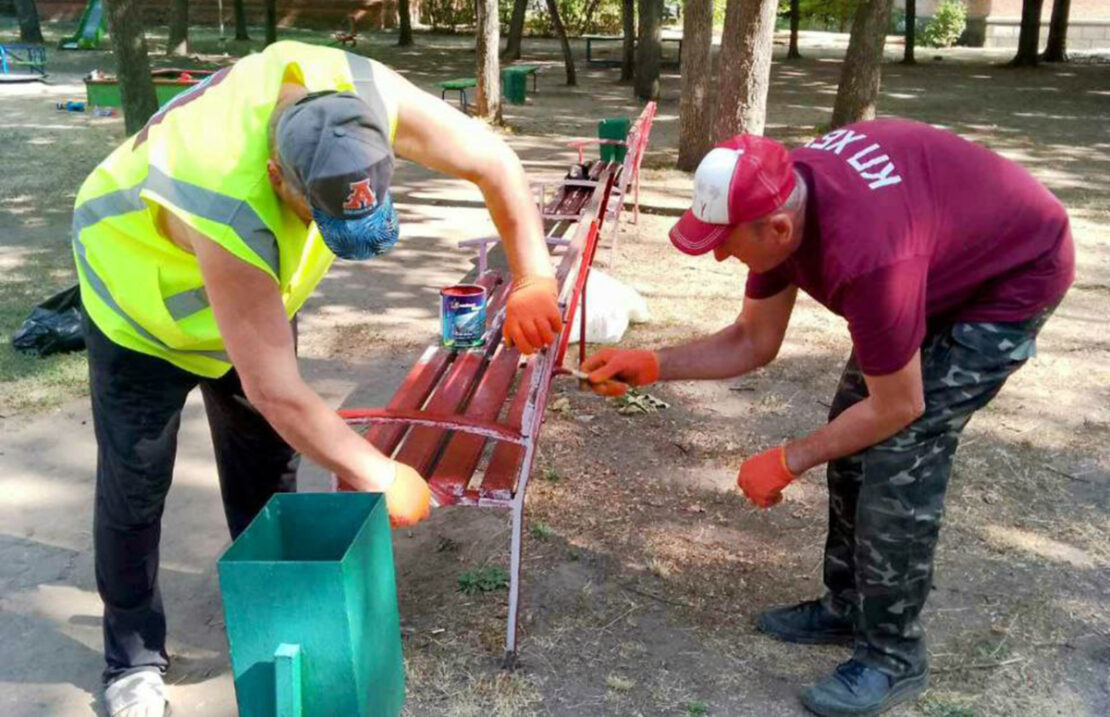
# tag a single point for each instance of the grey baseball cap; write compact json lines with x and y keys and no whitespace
{"x":338,"y":149}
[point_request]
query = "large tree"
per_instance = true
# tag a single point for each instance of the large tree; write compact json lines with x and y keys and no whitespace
{"x":911,"y":32}
{"x":861,"y":74}
{"x":745,"y":67}
{"x":516,"y":30}
{"x":125,"y":26}
{"x":561,"y":31}
{"x":649,"y":50}
{"x":271,"y":22}
{"x":178,"y":42}
{"x":795,"y":18}
{"x":29,"y":29}
{"x":488,"y":69}
{"x":241,"y":20}
{"x":404,"y":13}
{"x":1057,"y":48}
{"x":695,"y":112}
{"x":628,"y":48}
{"x":1029,"y":37}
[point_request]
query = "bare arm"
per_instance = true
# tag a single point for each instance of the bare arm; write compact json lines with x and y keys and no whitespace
{"x":894,"y":401}
{"x":256,"y":331}
{"x":438,"y":136}
{"x":749,"y":343}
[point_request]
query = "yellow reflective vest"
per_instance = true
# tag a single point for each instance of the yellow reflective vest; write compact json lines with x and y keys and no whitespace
{"x":203,"y":157}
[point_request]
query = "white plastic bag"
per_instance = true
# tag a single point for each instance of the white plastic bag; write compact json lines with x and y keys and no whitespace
{"x":610,"y":307}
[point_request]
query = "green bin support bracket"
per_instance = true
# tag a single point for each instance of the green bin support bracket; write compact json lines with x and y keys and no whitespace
{"x":287,"y":680}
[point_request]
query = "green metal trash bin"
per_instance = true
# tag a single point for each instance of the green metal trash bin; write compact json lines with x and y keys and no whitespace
{"x":613,"y":128}
{"x":310,"y":604}
{"x":515,"y":86}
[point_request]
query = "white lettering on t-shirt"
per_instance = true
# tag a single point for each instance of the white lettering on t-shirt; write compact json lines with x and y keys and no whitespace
{"x":882,"y":177}
{"x":848,"y":138}
{"x":836,"y":141}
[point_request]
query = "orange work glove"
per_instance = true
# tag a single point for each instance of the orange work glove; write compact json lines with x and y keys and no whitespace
{"x":630,"y":367}
{"x":407,"y":498}
{"x":762,"y":477}
{"x":532,"y":319}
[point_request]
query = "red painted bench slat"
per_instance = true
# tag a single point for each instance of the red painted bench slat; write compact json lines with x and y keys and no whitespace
{"x":421,"y":447}
{"x":460,"y":458}
{"x":501,"y":473}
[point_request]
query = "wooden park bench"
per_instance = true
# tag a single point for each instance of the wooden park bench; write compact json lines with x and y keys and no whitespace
{"x":628,"y":168}
{"x":469,"y":420}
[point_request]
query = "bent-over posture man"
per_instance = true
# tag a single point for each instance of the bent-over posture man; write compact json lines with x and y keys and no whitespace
{"x":946,"y":260}
{"x":197,"y":241}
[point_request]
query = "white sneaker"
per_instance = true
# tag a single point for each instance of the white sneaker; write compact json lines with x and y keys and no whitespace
{"x":139,"y":694}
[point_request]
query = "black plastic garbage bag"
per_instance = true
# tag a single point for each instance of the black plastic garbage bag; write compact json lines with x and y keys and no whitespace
{"x":53,"y":327}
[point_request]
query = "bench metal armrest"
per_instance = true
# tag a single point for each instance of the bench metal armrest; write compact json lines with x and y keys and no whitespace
{"x":447,"y":421}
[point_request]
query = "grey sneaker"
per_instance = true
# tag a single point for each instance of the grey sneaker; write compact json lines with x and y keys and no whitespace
{"x":858,"y":690}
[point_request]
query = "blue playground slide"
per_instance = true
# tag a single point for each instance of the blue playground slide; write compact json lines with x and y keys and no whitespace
{"x":90,"y":30}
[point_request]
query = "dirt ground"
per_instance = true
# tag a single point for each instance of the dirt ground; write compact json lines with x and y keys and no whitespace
{"x":643,"y":566}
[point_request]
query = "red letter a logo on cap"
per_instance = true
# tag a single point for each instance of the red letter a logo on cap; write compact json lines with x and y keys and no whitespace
{"x":361,"y":196}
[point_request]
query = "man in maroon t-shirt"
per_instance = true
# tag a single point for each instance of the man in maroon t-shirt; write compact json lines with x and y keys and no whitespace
{"x":946,"y":260}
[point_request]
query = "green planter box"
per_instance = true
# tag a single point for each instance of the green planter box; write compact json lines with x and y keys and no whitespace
{"x":310,"y":604}
{"x":106,"y":93}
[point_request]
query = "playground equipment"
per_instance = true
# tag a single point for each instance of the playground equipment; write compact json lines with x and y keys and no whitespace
{"x":90,"y":30}
{"x":17,"y":55}
{"x":310,"y":604}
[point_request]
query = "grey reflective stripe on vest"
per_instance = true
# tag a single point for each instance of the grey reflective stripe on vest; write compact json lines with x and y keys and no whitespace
{"x":94,"y":210}
{"x":187,"y":303}
{"x":362,"y":75}
{"x":220,"y":208}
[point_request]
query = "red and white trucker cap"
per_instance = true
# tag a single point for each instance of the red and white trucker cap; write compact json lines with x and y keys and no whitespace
{"x":742,"y":179}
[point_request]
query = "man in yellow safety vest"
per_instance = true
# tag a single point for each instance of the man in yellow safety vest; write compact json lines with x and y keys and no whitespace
{"x":197,"y":241}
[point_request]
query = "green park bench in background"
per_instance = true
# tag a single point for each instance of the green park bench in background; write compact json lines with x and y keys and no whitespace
{"x":513,"y":85}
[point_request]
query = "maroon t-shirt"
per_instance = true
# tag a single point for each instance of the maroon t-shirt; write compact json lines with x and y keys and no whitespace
{"x":907,"y":224}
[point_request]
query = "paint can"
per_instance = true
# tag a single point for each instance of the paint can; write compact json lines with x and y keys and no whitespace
{"x":462,"y":313}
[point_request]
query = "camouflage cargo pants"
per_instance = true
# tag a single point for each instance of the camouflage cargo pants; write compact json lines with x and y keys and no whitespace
{"x":886,"y":502}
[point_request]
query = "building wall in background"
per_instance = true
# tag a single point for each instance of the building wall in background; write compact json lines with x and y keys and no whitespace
{"x":320,"y":14}
{"x":996,"y":23}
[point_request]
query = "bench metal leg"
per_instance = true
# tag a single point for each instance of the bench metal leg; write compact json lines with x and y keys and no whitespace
{"x":514,"y":575}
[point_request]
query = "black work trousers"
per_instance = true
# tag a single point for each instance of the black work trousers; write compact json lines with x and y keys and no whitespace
{"x":136,"y":403}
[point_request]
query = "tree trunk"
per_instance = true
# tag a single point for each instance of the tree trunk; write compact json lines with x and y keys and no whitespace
{"x":695,"y":112}
{"x":649,"y":50}
{"x":178,"y":43}
{"x":516,"y":30}
{"x":745,"y":67}
{"x":1057,"y":48}
{"x":271,"y":22}
{"x":628,"y":50}
{"x":29,"y":29}
{"x":588,"y":16}
{"x":911,"y":32}
{"x":1029,"y":39}
{"x":795,"y":18}
{"x":404,"y":14}
{"x":125,"y":25}
{"x":863,"y":65}
{"x":488,"y":70}
{"x":241,"y":20}
{"x":561,"y":32}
